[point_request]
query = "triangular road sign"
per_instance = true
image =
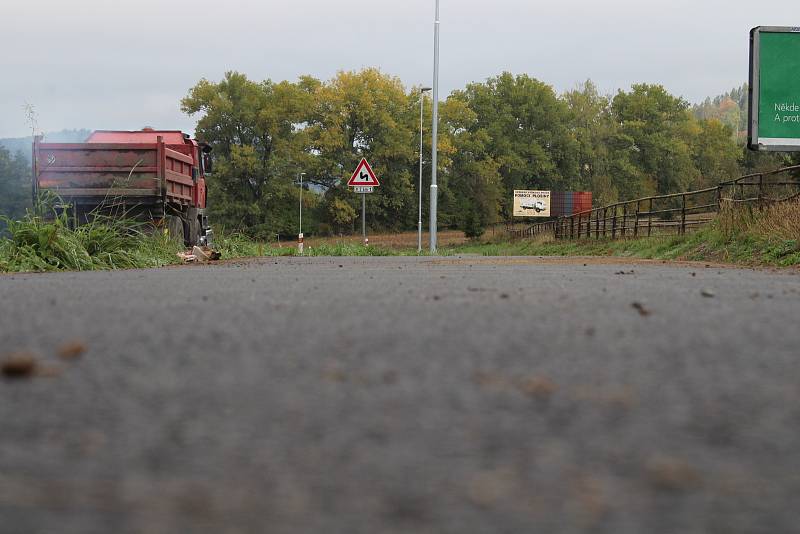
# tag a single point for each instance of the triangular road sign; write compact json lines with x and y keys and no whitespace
{"x":363,"y":175}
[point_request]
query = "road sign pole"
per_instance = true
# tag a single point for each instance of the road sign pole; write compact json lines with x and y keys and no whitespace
{"x":364,"y":217}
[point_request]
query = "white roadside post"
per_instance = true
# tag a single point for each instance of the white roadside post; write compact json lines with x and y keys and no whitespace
{"x":422,"y":92}
{"x":435,"y":133}
{"x":300,"y":234}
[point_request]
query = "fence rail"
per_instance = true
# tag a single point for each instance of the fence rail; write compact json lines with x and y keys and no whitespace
{"x":671,"y":214}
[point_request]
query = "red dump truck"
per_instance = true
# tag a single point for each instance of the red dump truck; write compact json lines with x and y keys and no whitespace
{"x":148,"y":175}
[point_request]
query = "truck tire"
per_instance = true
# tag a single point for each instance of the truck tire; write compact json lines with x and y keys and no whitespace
{"x":195,"y":231}
{"x":175,"y":230}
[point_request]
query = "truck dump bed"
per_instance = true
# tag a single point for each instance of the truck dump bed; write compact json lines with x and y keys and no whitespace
{"x":152,"y":173}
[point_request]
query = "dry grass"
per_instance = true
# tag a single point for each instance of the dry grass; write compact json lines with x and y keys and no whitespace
{"x":775,"y":221}
{"x":780,"y":220}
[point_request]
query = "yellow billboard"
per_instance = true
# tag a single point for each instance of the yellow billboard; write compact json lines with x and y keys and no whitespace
{"x":531,"y":203}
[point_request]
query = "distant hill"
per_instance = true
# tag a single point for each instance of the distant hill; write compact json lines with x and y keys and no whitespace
{"x":23,"y":144}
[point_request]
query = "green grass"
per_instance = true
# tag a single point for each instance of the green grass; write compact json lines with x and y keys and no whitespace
{"x":704,"y":245}
{"x":348,"y":249}
{"x":237,"y":245}
{"x":741,"y":236}
{"x":40,"y":244}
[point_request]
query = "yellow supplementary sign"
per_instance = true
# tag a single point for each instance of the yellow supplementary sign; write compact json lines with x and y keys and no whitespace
{"x":531,"y":203}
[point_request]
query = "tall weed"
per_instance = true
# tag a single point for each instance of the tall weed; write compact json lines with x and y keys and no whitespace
{"x":49,"y":243}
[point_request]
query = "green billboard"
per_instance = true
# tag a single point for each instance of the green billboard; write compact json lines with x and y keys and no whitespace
{"x":774,"y":121}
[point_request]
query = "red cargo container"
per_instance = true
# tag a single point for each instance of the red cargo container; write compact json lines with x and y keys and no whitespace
{"x":564,"y":203}
{"x":582,"y":201}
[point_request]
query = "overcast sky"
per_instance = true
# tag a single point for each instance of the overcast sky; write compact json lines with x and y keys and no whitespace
{"x":122,"y":64}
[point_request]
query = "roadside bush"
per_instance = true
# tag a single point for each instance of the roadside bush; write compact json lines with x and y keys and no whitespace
{"x":473,"y":227}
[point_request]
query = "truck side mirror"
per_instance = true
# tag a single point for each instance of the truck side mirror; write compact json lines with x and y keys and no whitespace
{"x":208,"y":164}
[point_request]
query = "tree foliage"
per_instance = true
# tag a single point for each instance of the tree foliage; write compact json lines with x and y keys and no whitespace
{"x":508,"y":132}
{"x":15,"y":184}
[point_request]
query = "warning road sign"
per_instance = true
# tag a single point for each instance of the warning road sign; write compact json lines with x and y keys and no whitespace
{"x":363,"y":176}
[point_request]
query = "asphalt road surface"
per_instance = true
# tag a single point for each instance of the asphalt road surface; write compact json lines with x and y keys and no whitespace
{"x":388,"y":395}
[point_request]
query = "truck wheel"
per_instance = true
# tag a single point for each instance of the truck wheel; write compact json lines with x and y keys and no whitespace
{"x":195,"y":231}
{"x":175,"y":229}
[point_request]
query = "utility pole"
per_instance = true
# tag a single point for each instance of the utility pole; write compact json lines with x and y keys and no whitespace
{"x":434,"y":141}
{"x":422,"y":92}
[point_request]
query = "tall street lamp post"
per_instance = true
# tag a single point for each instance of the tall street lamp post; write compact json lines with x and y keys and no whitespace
{"x":435,"y":133}
{"x":300,"y":234}
{"x":422,"y":92}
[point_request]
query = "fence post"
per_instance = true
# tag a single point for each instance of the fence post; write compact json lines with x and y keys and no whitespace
{"x":614,"y":224}
{"x":572,"y":227}
{"x":597,"y":225}
{"x":636,"y":221}
{"x":760,"y":191}
{"x":624,"y":219}
{"x":683,"y":214}
{"x":580,"y":223}
{"x":650,"y":218}
{"x":605,"y":221}
{"x":719,"y":198}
